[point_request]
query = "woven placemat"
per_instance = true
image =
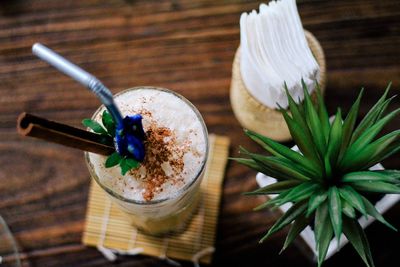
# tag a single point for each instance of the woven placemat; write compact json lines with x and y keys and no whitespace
{"x":107,"y":229}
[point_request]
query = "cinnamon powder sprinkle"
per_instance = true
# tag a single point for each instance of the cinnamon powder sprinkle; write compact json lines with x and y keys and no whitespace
{"x":163,"y":160}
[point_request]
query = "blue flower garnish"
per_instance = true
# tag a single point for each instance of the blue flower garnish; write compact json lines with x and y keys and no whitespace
{"x":130,"y":137}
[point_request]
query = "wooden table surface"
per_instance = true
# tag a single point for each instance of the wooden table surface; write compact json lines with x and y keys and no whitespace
{"x":187,"y":46}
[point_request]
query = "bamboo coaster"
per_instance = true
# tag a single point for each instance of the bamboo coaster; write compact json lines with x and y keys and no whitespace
{"x":107,"y":229}
{"x":252,"y":114}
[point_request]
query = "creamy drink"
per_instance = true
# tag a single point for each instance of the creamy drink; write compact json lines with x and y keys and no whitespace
{"x":160,"y":195}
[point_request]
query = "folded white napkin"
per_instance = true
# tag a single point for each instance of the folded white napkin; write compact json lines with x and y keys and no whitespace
{"x":273,"y":51}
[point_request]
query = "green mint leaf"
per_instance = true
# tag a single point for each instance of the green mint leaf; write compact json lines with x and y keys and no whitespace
{"x":124,"y":166}
{"x":108,"y":122}
{"x":132,"y":163}
{"x":128,"y":164}
{"x":95,"y":126}
{"x":113,"y":160}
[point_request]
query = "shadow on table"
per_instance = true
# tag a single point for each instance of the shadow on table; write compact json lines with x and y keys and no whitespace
{"x":11,"y":7}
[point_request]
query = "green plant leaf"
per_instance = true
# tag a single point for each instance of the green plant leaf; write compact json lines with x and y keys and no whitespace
{"x":323,"y":231}
{"x":267,"y":170}
{"x":297,"y":113}
{"x":316,"y":199}
{"x":264,"y":205}
{"x":357,"y":238}
{"x":349,"y":123}
{"x":244,"y":151}
{"x":108,"y":123}
{"x":335,"y":139}
{"x":113,"y":160}
{"x":297,"y":226}
{"x":335,"y":211}
{"x":371,"y":132}
{"x":272,"y":201}
{"x":322,"y":113}
{"x":274,"y":188}
{"x":353,"y":198}
{"x":371,"y":210}
{"x":302,"y":138}
{"x":395,"y":174}
{"x":321,"y":221}
{"x":385,"y":153}
{"x":371,"y":116}
{"x":313,"y":122}
{"x":280,"y":166}
{"x":295,"y":211}
{"x":367,"y":176}
{"x":295,"y":110}
{"x":300,"y":192}
{"x":358,"y":152}
{"x":250,"y":163}
{"x":95,"y":126}
{"x":348,"y":209}
{"x":379,"y":149}
{"x":325,"y":241}
{"x":260,"y":165}
{"x":378,"y":187}
{"x":264,"y":142}
{"x":328,"y":167}
{"x":385,"y":104}
{"x":280,"y":150}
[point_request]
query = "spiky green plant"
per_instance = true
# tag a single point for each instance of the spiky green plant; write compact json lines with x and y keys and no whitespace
{"x":328,"y":180}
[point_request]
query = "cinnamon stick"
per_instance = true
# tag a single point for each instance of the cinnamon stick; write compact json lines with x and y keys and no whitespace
{"x":31,"y":125}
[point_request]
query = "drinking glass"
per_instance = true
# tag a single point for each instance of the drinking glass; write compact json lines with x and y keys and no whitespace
{"x":169,"y":214}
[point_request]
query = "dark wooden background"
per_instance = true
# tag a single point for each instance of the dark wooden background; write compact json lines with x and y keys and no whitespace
{"x":187,"y":46}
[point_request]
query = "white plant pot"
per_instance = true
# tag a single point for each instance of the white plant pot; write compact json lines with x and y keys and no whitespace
{"x":307,"y":234}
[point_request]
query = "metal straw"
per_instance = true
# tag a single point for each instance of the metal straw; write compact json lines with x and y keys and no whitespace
{"x":81,"y":76}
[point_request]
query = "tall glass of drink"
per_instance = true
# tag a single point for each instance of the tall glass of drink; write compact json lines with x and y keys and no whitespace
{"x":161,"y":195}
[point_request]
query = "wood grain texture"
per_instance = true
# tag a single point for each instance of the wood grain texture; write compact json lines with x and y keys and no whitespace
{"x":187,"y":46}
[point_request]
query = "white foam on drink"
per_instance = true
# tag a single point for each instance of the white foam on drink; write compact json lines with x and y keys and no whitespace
{"x":166,"y":110}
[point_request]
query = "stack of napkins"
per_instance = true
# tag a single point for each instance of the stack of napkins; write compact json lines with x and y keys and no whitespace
{"x":273,"y":51}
